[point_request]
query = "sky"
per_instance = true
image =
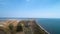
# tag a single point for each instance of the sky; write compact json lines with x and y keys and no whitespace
{"x":30,"y":8}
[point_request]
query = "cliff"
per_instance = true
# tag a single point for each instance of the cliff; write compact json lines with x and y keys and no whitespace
{"x":21,"y":27}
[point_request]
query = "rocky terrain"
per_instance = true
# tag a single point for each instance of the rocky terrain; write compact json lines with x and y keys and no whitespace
{"x":21,"y":27}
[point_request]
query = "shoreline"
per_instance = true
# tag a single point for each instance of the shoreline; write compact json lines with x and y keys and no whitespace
{"x":41,"y":27}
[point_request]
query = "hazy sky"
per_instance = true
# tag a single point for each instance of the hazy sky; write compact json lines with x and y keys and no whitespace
{"x":30,"y":8}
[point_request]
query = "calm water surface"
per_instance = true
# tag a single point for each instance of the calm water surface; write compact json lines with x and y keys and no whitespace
{"x":51,"y":25}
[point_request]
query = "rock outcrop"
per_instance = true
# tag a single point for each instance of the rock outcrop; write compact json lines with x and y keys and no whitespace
{"x":21,"y":27}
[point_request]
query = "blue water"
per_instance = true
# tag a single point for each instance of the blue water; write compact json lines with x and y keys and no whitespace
{"x":50,"y":24}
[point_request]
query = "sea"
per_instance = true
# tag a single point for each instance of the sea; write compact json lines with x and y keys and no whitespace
{"x":51,"y":25}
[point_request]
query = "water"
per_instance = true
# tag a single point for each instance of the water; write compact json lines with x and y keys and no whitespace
{"x":50,"y":24}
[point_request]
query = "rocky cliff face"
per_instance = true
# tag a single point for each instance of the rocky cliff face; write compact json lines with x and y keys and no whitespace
{"x":21,"y":27}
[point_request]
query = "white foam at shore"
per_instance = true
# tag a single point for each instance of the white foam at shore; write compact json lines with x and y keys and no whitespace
{"x":42,"y":27}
